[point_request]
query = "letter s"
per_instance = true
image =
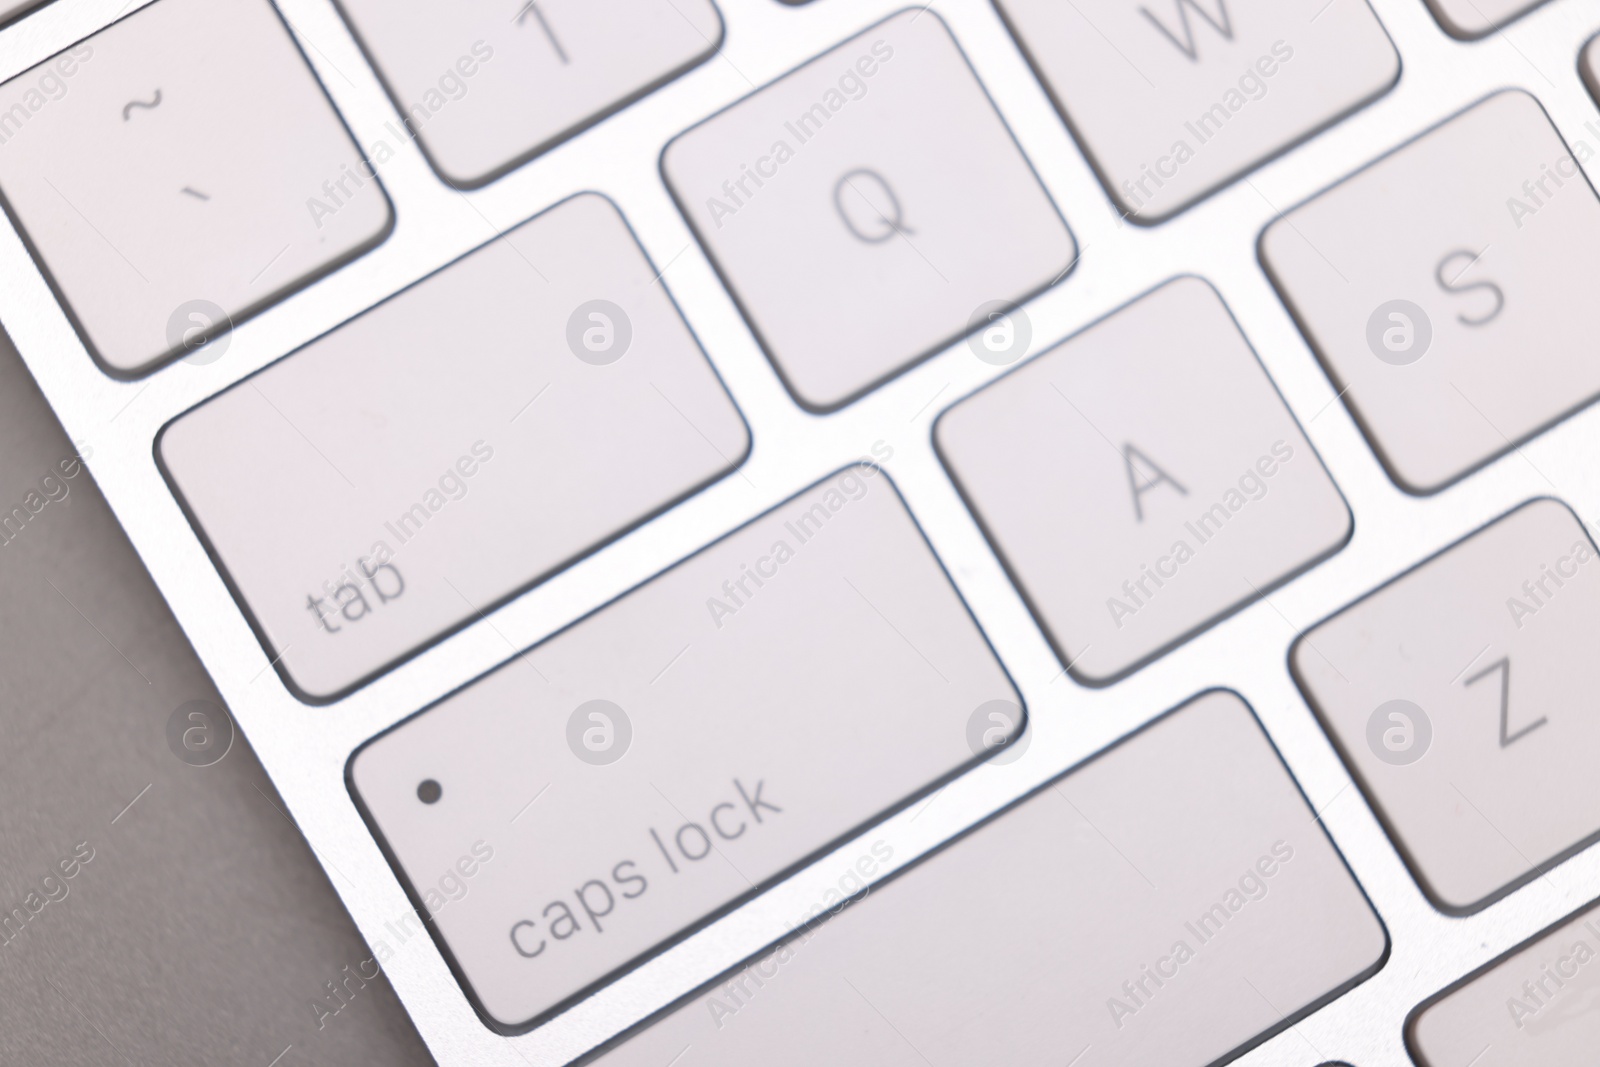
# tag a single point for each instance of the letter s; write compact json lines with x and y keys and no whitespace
{"x":1448,"y":284}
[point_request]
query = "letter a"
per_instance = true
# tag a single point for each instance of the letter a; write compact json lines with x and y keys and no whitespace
{"x":1136,"y":475}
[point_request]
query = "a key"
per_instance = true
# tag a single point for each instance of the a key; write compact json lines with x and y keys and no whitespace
{"x":1471,"y":19}
{"x":1101,"y":918}
{"x":866,"y":208}
{"x":1537,"y":1006}
{"x":1461,"y":697}
{"x":1173,"y":99}
{"x":486,"y":85}
{"x":166,"y":194}
{"x":1142,"y":480}
{"x":1445,"y":289}
{"x":686,"y":744}
{"x":452,"y":446}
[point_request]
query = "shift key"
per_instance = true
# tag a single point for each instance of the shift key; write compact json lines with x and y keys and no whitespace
{"x":684,"y":746}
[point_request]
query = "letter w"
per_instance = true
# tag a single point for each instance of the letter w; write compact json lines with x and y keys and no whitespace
{"x":1222,"y":24}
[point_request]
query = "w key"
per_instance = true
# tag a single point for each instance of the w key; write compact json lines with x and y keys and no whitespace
{"x":1462,"y":697}
{"x":1174,"y":98}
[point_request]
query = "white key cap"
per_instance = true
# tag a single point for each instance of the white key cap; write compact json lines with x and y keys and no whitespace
{"x":1471,"y":19}
{"x":1172,"y":99}
{"x":1417,"y":278}
{"x":709,"y":730}
{"x":1126,"y":909}
{"x":865,"y":206}
{"x":1462,"y":697}
{"x":489,"y":84}
{"x":1142,"y":480}
{"x":1538,"y":1006}
{"x":452,"y":446}
{"x":165,"y":193}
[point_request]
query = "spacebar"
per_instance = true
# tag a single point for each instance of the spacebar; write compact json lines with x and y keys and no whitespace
{"x":1172,"y":902}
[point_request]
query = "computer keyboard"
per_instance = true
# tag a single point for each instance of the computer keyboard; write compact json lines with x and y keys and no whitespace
{"x":485,"y":384}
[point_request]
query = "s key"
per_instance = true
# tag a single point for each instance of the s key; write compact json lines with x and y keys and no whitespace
{"x":1447,"y":289}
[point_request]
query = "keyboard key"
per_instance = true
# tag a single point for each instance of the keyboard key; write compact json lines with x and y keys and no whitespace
{"x":1461,"y":697}
{"x":1416,"y":278}
{"x":486,"y":85}
{"x":866,"y":206}
{"x":685,"y":744}
{"x":1142,"y":480}
{"x":1471,"y":19}
{"x":1538,"y":1006}
{"x":165,"y":194}
{"x":454,"y":445}
{"x":1151,"y":925}
{"x":1173,"y":99}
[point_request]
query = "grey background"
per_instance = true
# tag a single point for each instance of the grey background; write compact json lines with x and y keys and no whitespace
{"x":203,"y":930}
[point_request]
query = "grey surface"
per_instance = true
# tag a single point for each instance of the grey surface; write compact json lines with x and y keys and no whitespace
{"x":202,"y":930}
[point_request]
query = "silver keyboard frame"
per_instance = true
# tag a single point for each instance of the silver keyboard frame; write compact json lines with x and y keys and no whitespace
{"x":305,"y":748}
